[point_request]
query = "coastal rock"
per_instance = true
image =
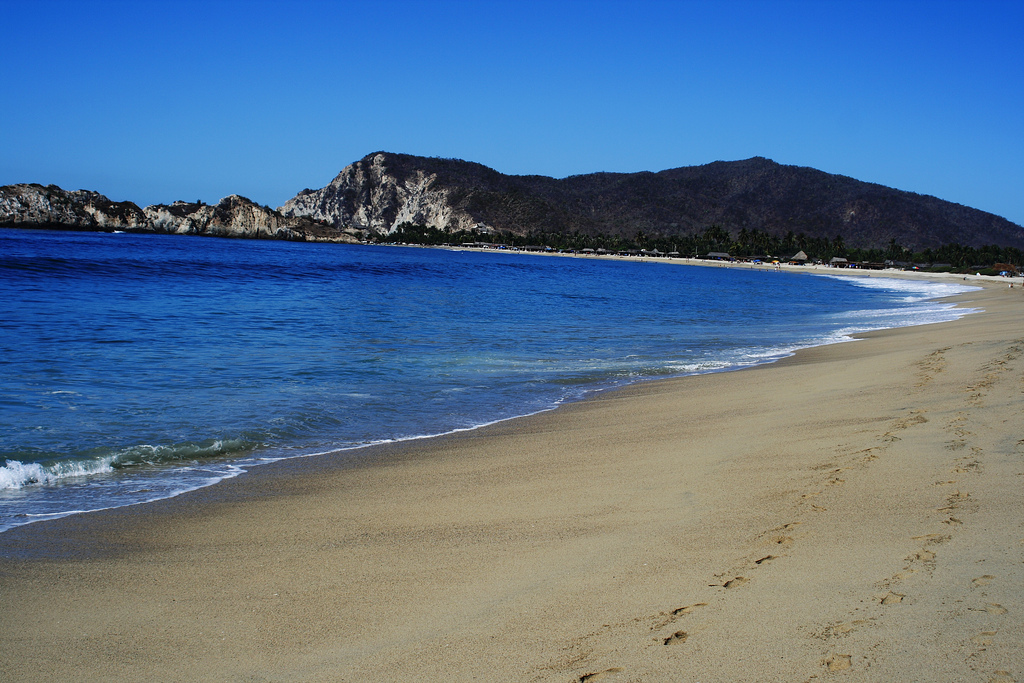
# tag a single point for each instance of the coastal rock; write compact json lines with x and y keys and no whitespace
{"x":370,"y":196}
{"x":50,"y":206}
{"x":234,"y":216}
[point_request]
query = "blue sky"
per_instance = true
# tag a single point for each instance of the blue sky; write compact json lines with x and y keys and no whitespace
{"x":157,"y":101}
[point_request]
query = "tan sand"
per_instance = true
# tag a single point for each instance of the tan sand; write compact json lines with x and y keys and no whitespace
{"x":852,"y":513}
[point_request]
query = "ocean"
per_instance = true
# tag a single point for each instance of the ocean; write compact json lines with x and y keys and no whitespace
{"x":138,"y":367}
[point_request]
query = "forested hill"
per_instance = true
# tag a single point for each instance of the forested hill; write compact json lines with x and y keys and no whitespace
{"x":385,"y":190}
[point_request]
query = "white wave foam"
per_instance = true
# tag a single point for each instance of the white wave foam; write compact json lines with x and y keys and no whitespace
{"x":698,"y":368}
{"x":912,"y":290}
{"x":16,"y":474}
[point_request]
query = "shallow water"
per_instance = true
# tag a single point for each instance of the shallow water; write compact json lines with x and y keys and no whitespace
{"x":135,"y":367}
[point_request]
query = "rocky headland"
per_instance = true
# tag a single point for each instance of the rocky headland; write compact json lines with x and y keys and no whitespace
{"x":38,"y":206}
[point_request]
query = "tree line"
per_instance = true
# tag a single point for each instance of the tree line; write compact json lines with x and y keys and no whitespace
{"x":715,"y":238}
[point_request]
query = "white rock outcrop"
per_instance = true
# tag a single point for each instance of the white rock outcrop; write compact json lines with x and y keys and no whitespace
{"x":233,"y":216}
{"x":31,"y":204}
{"x":366,"y":196}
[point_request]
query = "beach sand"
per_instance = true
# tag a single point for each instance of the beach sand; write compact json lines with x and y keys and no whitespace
{"x":852,"y":513}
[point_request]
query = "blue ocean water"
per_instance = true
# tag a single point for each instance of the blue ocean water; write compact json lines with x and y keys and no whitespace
{"x":136,"y":367}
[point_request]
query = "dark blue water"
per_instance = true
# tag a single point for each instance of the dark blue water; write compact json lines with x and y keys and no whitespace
{"x":134,"y":367}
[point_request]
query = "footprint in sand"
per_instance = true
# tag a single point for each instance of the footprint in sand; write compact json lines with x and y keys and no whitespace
{"x":983,"y":580}
{"x":677,"y":637}
{"x":837,"y":662}
{"x":955,"y":500}
{"x":922,"y":555}
{"x":892,"y":598}
{"x":932,"y":539}
{"x":967,"y":466}
{"x":599,"y":675}
{"x":840,"y":629}
{"x":766,"y":558}
{"x":679,"y":611}
{"x":984,"y":638}
{"x":994,"y":608}
{"x":735,"y":583}
{"x":675,"y":614}
{"x":1002,"y":677}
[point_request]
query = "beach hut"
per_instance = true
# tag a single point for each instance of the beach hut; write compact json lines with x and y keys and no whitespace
{"x":718,"y":256}
{"x":799,"y":258}
{"x":838,"y":262}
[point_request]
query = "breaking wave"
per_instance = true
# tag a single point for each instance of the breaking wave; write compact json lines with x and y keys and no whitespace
{"x":16,"y":474}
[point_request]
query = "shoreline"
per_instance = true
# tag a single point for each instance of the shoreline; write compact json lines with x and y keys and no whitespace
{"x":356,"y":450}
{"x":852,"y":508}
{"x":765,"y":267}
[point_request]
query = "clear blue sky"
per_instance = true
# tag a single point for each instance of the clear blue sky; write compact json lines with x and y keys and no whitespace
{"x":157,"y":101}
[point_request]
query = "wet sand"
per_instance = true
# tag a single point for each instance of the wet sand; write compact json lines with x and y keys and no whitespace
{"x":854,"y":512}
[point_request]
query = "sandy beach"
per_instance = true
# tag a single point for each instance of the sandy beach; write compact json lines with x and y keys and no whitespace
{"x":854,"y":513}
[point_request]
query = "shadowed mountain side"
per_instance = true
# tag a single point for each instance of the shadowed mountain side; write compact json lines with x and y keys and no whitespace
{"x":384,"y":190}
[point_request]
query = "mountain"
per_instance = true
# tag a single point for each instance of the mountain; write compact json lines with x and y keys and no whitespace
{"x":375,"y":195}
{"x":383,"y":190}
{"x":51,"y":207}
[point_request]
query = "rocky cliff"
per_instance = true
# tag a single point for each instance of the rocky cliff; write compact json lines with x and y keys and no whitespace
{"x":375,"y":195}
{"x":384,"y":190}
{"x":234,"y":216}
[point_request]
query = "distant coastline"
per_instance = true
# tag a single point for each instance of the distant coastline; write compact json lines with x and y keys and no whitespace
{"x":748,"y":208}
{"x":809,"y":269}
